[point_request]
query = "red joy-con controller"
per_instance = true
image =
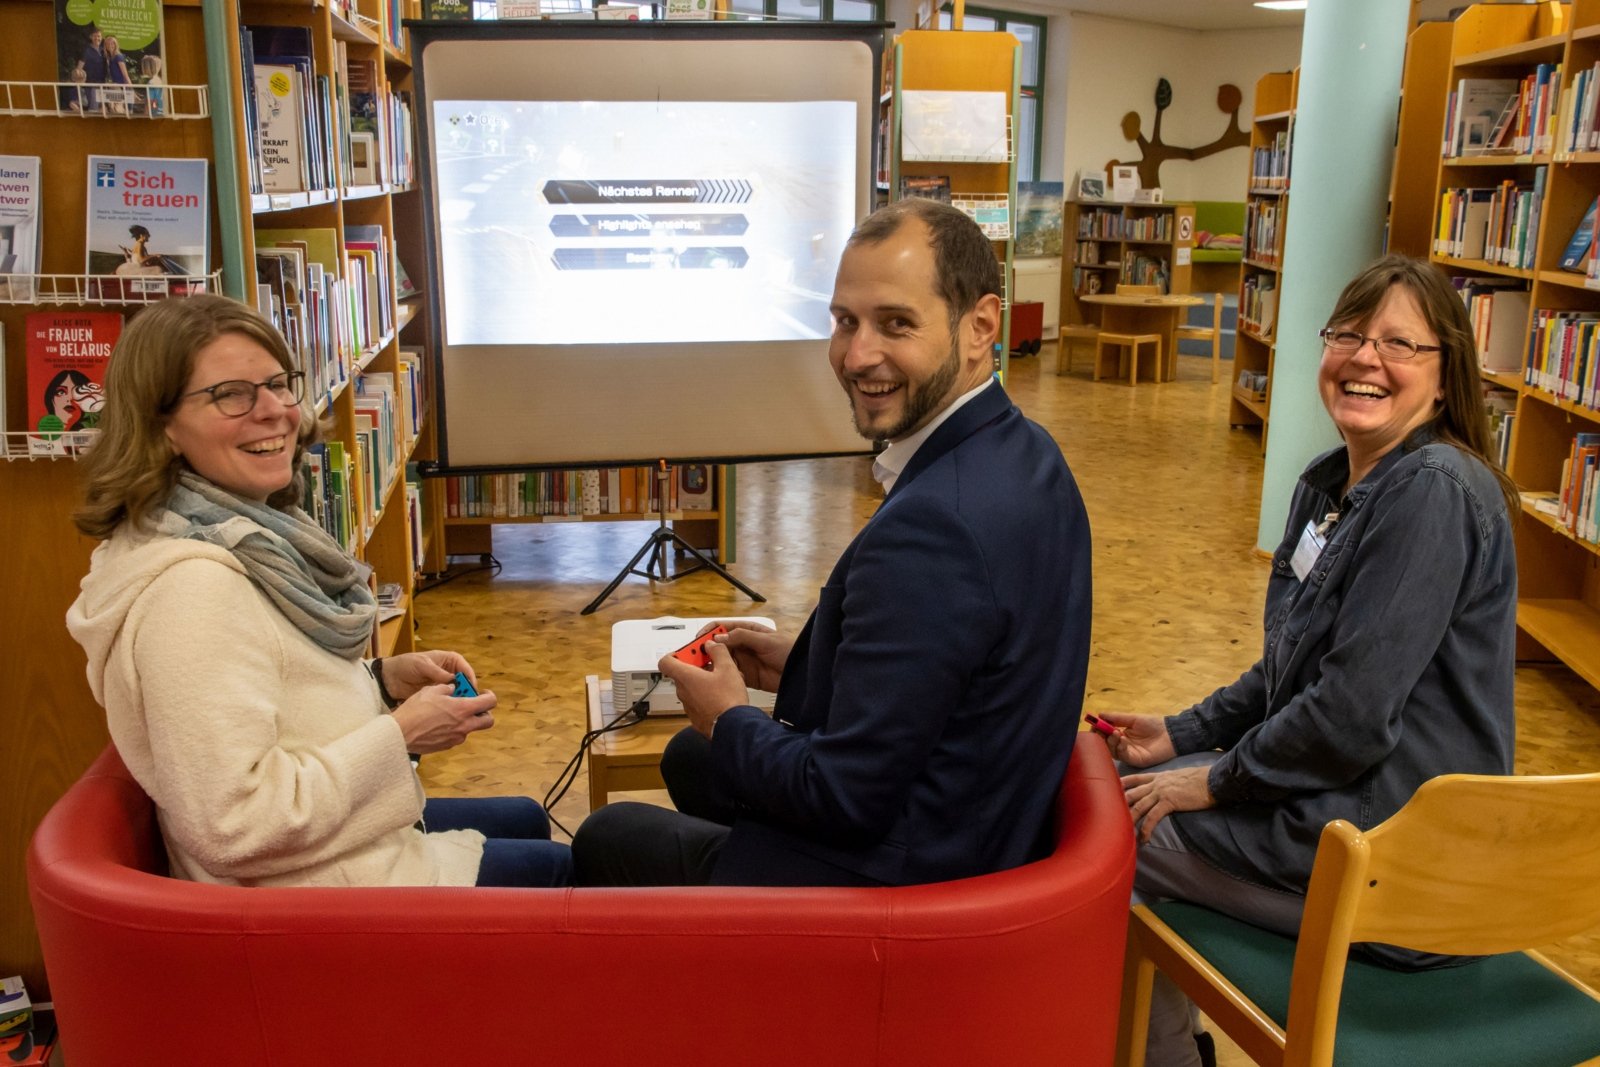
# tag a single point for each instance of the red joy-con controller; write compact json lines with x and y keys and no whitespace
{"x":697,"y":653}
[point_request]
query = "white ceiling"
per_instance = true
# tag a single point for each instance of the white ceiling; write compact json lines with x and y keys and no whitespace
{"x":1202,"y":14}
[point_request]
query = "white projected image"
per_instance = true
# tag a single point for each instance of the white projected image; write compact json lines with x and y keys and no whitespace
{"x":621,"y":222}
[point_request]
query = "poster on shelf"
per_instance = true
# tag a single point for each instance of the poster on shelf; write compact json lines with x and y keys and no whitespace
{"x":147,"y":227}
{"x":1039,"y":218}
{"x":19,"y":226}
{"x":1124,"y":183}
{"x":67,"y":354}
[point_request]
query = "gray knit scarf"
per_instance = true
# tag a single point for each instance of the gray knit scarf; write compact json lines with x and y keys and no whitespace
{"x":303,"y":571}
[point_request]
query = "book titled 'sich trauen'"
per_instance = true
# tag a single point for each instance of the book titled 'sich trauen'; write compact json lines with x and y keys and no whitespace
{"x":146,"y":235}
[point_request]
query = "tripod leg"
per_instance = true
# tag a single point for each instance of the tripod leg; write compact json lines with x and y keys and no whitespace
{"x":716,"y":568}
{"x":627,"y":569}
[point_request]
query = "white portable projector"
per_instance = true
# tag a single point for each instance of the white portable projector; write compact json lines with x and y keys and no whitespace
{"x":637,"y":646}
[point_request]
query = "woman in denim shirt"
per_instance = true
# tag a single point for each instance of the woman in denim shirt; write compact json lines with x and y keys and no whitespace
{"x":1390,"y":632}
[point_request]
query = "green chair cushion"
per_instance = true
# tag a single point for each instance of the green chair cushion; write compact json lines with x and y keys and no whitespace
{"x":1501,"y":1011}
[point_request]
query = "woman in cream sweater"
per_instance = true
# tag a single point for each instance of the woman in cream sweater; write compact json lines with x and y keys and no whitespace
{"x":225,"y":633}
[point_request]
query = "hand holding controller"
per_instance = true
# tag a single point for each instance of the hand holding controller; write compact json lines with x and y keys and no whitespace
{"x":697,"y":652}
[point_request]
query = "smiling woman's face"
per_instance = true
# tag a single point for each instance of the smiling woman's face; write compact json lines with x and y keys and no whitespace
{"x":1376,"y":402}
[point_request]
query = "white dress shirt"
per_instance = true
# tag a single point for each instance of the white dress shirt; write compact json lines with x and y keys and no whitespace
{"x":888,"y":464}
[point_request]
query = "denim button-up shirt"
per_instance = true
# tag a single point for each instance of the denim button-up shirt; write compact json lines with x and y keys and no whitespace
{"x":1389,"y":664}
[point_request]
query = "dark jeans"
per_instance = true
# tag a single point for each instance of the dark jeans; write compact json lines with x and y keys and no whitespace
{"x":518,"y":851}
{"x":641,"y":844}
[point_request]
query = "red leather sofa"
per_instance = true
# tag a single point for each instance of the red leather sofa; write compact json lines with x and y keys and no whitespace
{"x":1021,"y":967}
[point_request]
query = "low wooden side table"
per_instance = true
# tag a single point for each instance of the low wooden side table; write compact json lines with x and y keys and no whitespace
{"x":627,"y":759}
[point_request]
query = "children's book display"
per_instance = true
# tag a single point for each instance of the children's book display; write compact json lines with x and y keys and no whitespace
{"x":111,"y":56}
{"x":67,"y":353}
{"x":146,"y":235}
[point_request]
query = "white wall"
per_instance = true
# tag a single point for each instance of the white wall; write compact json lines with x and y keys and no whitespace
{"x":1112,"y":68}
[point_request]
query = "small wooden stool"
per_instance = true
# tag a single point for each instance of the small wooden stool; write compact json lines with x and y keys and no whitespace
{"x":1073,"y":335}
{"x":1130,"y":341}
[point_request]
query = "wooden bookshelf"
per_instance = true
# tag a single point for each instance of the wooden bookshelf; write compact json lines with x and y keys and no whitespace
{"x":1266,"y":221}
{"x":1102,"y":242}
{"x":708,"y":530}
{"x":953,"y":61}
{"x":1558,"y":575}
{"x":53,"y":727}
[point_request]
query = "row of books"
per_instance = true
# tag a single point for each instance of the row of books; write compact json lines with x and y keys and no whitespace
{"x":1258,"y":303}
{"x":1261,"y":231}
{"x":1269,"y":164}
{"x":1498,"y":224}
{"x":298,"y":115}
{"x":1086,"y":252}
{"x":329,"y":491}
{"x":1578,"y":127}
{"x":1501,"y":406}
{"x":1562,"y":355}
{"x":332,"y":296}
{"x":576,"y":493}
{"x":1142,"y":269}
{"x":1575,"y":503}
{"x":1498,"y":308}
{"x":1088,"y":282}
{"x":1486,"y":116}
{"x":1111,"y":225}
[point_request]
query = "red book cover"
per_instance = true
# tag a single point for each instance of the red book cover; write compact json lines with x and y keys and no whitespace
{"x":68,"y":352}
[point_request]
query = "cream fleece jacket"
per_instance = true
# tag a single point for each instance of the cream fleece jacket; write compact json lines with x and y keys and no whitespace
{"x":270,"y":759}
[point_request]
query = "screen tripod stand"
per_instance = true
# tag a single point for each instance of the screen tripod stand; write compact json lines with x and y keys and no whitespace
{"x":656,"y":545}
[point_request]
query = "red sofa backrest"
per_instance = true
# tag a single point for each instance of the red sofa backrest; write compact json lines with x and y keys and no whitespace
{"x":1013,"y":968}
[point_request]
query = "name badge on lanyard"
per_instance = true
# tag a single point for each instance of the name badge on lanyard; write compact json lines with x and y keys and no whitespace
{"x":1312,"y":541}
{"x":1307,"y":551}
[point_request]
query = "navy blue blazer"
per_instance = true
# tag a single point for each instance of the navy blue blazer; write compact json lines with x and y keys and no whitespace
{"x":927,"y":710}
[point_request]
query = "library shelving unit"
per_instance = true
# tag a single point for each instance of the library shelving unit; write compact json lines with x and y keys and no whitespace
{"x":1558,"y":608}
{"x":710,"y":530}
{"x":984,"y":185}
{"x":1122,"y":244}
{"x":53,"y":728}
{"x":1266,"y":218}
{"x":354,"y":44}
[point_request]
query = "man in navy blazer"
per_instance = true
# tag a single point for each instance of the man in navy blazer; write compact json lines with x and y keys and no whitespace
{"x":925,"y":713}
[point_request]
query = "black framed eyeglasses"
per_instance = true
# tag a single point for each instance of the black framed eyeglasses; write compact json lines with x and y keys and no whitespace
{"x":236,"y":398}
{"x":1387,"y":347}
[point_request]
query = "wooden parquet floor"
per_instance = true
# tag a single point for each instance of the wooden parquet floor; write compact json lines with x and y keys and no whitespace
{"x":1172,"y":495}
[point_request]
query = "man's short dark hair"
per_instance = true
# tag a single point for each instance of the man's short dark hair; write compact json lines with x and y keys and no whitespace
{"x":964,"y":265}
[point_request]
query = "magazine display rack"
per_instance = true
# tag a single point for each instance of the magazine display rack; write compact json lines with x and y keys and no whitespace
{"x":948,"y":130}
{"x":53,"y":727}
{"x":98,"y":289}
{"x":46,"y":99}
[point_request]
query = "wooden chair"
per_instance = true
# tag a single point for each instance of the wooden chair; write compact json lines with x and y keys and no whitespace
{"x":1132,"y":342}
{"x":1473,"y":864}
{"x":1073,"y":334}
{"x":1212,"y":333}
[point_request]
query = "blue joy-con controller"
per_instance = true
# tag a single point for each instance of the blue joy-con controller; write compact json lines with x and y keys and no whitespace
{"x":463,"y":687}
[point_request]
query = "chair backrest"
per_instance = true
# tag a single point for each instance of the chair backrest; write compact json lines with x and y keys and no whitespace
{"x":1471,"y":865}
{"x":1138,"y":290}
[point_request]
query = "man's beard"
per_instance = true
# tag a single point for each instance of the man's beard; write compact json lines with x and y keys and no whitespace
{"x":920,"y":400}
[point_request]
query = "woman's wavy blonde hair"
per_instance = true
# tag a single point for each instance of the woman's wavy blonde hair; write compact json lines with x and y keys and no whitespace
{"x":132,"y":467}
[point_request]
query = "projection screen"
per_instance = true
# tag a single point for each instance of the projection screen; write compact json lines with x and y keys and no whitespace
{"x":633,"y":237}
